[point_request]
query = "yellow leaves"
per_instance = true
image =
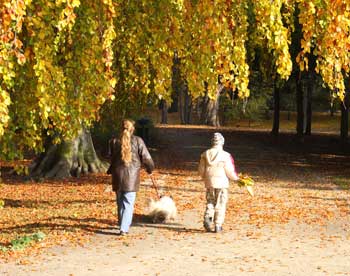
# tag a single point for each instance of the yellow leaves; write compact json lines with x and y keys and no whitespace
{"x":66,"y":22}
{"x":60,"y":2}
{"x":219,"y":35}
{"x":178,"y":4}
{"x":79,"y":60}
{"x":5,"y":101}
{"x":111,"y":8}
{"x":270,"y":25}
{"x":21,"y":59}
{"x":4,"y":97}
{"x":312,"y":7}
{"x":11,"y":18}
{"x":113,"y":82}
{"x":21,"y":169}
{"x":75,"y":3}
{"x":326,"y":30}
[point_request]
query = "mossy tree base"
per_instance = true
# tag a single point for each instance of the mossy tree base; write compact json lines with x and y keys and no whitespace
{"x":70,"y":158}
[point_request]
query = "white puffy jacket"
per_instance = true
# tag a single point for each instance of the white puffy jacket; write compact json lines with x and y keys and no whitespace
{"x":216,"y":168}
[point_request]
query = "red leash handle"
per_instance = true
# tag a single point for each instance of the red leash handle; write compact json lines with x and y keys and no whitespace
{"x":154,"y":185}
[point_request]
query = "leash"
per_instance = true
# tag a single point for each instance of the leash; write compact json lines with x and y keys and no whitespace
{"x":154,"y":185}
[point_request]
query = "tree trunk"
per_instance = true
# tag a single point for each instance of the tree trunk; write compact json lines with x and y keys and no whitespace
{"x":308,"y":105}
{"x":344,"y":122}
{"x":188,"y":108}
{"x":332,"y":109}
{"x":297,"y":36}
{"x":70,"y":158}
{"x":300,"y":111}
{"x":185,"y":105}
{"x":181,"y":105}
{"x":210,"y":111}
{"x":310,"y":91}
{"x":276,"y":110}
{"x":164,"y":108}
{"x":204,"y":106}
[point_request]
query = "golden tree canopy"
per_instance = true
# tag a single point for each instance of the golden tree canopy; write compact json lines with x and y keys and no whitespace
{"x":60,"y":60}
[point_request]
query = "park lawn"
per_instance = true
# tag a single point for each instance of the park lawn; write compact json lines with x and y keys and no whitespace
{"x":321,"y":121}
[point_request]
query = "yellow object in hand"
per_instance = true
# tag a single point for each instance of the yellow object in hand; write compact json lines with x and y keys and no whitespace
{"x":246,"y":181}
{"x":250,"y":190}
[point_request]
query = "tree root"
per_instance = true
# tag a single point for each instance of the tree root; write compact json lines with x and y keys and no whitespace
{"x":70,"y":158}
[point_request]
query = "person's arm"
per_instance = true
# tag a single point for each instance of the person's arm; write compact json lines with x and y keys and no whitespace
{"x":201,"y":167}
{"x":111,"y":145}
{"x":230,"y":169}
{"x":145,"y":156}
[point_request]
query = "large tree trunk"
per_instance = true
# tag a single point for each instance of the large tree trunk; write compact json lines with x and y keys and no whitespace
{"x":212,"y":118}
{"x":300,"y":106}
{"x":210,"y":108}
{"x":276,"y":110}
{"x":70,"y":158}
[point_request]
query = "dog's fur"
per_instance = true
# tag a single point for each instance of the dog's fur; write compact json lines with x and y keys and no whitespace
{"x":162,"y":210}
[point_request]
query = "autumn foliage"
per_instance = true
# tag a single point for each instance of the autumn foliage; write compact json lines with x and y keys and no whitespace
{"x":60,"y":61}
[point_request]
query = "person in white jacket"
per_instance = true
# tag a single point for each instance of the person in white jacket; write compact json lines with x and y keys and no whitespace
{"x":216,"y":167}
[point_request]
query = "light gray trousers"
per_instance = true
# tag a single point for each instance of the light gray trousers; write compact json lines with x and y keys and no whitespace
{"x":216,"y":205}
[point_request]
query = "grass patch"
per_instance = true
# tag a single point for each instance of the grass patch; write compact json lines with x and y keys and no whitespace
{"x":21,"y":243}
{"x":342,"y":182}
{"x":321,"y":121}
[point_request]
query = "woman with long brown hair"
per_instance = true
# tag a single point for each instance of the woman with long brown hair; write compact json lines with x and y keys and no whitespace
{"x":128,"y":154}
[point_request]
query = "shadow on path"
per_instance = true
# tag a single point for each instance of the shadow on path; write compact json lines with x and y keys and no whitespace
{"x":145,"y":222}
{"x":258,"y":153}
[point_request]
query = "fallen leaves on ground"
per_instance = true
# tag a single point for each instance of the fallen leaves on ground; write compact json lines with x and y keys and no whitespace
{"x":72,"y":210}
{"x":63,"y":210}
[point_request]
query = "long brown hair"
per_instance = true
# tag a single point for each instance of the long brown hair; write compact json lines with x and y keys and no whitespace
{"x":125,"y":138}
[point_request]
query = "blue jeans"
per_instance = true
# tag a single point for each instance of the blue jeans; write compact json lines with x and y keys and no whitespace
{"x":125,"y":202}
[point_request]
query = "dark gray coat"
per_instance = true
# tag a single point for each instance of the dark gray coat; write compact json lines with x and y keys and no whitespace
{"x":127,"y":178}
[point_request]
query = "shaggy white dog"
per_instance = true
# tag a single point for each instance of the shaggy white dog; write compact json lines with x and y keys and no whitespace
{"x":162,"y":210}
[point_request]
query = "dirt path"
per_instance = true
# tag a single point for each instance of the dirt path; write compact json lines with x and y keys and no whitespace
{"x":289,"y":250}
{"x":297,"y":224}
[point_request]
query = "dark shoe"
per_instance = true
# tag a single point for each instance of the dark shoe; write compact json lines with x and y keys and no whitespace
{"x":207,"y":224}
{"x":218,"y":229}
{"x":121,"y":233}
